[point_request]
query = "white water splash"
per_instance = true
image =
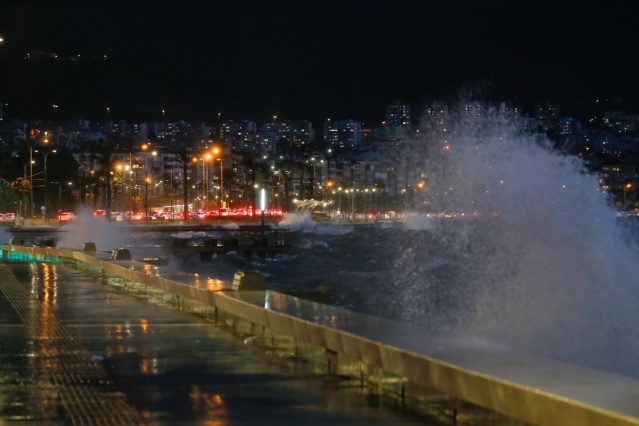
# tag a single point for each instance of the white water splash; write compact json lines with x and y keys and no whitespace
{"x":304,"y":223}
{"x":298,"y":222}
{"x":418,"y":222}
{"x":98,"y":230}
{"x":546,"y":266}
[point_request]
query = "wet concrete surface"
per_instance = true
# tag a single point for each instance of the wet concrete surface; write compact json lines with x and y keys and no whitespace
{"x":73,"y":350}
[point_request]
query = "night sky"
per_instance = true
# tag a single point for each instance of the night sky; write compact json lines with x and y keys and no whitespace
{"x":305,"y":58}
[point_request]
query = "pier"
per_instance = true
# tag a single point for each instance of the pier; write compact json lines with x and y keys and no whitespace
{"x":454,"y":376}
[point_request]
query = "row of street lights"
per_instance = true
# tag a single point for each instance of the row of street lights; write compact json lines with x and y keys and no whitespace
{"x":209,"y":158}
{"x":353,"y":192}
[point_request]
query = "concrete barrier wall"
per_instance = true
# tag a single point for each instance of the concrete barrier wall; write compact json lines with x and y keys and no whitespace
{"x":611,"y":400}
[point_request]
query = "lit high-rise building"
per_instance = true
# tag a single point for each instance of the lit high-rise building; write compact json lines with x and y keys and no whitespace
{"x":343,"y":133}
{"x":397,"y":114}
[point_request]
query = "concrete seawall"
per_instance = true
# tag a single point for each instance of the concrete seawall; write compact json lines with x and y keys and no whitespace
{"x":408,"y":362}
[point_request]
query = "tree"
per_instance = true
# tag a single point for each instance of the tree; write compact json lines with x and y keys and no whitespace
{"x":103,"y":157}
{"x":12,"y":194}
{"x":184,"y":156}
{"x":283,"y":178}
{"x":21,"y":187}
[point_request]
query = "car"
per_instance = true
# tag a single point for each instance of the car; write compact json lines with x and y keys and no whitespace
{"x":99,"y":213}
{"x":66,"y":216}
{"x":7,"y":217}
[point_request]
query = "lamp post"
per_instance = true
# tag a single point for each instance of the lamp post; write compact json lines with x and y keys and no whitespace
{"x":195,"y":160}
{"x":120,"y":169}
{"x":353,"y":205}
{"x":370,"y":201}
{"x":60,"y":193}
{"x":206,"y":179}
{"x":626,"y":187}
{"x":222,"y":181}
{"x":171,"y":189}
{"x":320,"y":180}
{"x":129,"y":172}
{"x":215,"y":152}
{"x":30,"y":185}
{"x":366,"y":211}
{"x":146,"y":183}
{"x":45,"y":155}
{"x":146,"y":200}
{"x":346,"y":191}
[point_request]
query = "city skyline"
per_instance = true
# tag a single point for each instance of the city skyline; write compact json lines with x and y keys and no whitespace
{"x":305,"y":60}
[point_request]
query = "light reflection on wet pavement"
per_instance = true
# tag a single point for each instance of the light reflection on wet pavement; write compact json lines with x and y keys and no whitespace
{"x":170,"y":367}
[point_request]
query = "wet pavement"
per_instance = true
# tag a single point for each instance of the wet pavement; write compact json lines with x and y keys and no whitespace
{"x":74,"y":351}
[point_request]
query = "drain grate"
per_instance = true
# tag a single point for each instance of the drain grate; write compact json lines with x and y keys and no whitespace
{"x":83,"y":389}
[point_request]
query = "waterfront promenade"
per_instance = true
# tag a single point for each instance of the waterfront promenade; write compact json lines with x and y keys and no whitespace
{"x":74,"y":351}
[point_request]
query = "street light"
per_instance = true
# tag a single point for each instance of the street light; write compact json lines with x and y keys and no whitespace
{"x":222,"y":181}
{"x":25,"y":169}
{"x":625,"y":190}
{"x":45,"y":155}
{"x":22,"y":213}
{"x":146,"y":200}
{"x":120,"y":168}
{"x":146,"y":183}
{"x":366,"y":211}
{"x":215,"y":152}
{"x":195,"y":160}
{"x":128,"y":170}
{"x":171,"y":194}
{"x":352,"y":205}
{"x":60,"y":193}
{"x":207,"y":184}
